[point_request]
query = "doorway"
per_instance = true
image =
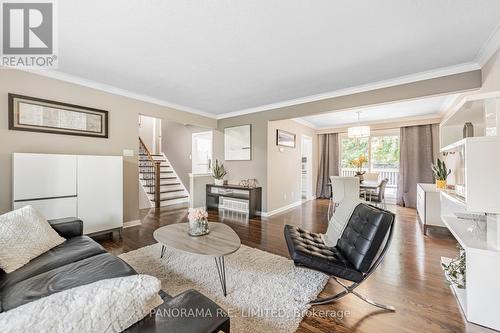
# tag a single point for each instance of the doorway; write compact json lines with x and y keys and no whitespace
{"x":201,"y":152}
{"x":306,"y":168}
{"x":150,"y":133}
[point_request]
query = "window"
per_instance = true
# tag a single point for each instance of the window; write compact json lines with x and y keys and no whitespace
{"x":352,"y":149}
{"x":382,"y":151}
{"x":385,"y":152}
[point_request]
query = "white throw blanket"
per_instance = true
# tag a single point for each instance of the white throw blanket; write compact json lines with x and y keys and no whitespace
{"x":110,"y":305}
{"x":346,"y":197}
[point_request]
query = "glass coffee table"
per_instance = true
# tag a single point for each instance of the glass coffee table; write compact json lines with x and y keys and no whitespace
{"x":220,"y":242}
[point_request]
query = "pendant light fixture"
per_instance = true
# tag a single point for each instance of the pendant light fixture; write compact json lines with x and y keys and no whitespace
{"x":358,"y":131}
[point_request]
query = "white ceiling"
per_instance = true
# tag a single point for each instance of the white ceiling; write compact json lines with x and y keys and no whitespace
{"x":432,"y":106}
{"x":223,"y":56}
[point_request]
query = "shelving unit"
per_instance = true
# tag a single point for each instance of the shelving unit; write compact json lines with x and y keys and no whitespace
{"x":472,"y":161}
{"x":469,"y":234}
{"x":234,"y":198}
{"x":479,"y":300}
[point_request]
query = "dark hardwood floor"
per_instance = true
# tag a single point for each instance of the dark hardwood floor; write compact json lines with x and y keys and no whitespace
{"x":410,"y":277}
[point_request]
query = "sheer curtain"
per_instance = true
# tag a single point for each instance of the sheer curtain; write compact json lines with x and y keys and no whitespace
{"x":419,"y":149}
{"x":328,"y":163}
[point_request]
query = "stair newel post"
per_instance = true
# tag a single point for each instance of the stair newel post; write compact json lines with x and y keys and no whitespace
{"x":157,"y":183}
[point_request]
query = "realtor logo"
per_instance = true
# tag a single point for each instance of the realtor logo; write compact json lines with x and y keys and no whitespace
{"x":28,"y":34}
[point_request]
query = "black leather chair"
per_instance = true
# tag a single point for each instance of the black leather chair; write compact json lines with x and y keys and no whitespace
{"x":357,"y":254}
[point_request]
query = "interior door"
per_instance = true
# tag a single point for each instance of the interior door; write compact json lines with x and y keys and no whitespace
{"x":201,"y":154}
{"x":306,"y":176}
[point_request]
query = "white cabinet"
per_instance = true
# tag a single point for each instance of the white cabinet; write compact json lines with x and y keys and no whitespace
{"x":100,"y":192}
{"x":52,"y":208}
{"x":43,"y":176}
{"x":428,"y":206}
{"x":83,"y":186}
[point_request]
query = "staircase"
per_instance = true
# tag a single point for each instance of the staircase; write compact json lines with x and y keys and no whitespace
{"x":156,"y":174}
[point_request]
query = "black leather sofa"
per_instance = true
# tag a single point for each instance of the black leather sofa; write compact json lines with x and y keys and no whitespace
{"x":79,"y":261}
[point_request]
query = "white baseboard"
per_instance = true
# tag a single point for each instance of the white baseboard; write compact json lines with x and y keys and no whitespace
{"x":281,"y":209}
{"x":312,"y":197}
{"x":133,"y":223}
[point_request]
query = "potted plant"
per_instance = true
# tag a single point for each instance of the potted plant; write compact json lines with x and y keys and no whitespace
{"x":455,"y":270}
{"x":440,"y":173}
{"x":358,"y":163}
{"x":218,"y":172}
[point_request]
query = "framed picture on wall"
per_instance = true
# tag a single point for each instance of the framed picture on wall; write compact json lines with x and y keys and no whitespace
{"x":41,"y":115}
{"x":238,"y":143}
{"x":285,"y":139}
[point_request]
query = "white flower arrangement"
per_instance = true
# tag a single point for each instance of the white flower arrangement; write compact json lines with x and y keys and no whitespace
{"x":197,"y":214}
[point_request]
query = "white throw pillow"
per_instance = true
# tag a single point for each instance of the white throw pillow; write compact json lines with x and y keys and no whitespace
{"x":24,"y":235}
{"x":110,"y":305}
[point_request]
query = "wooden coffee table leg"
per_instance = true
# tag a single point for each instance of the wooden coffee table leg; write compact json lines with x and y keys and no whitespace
{"x":221,"y":270}
{"x":162,"y":251}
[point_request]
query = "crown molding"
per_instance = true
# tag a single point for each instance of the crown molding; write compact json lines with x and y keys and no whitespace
{"x":305,"y":123}
{"x":458,"y":102}
{"x":116,"y":91}
{"x":490,"y":46}
{"x":465,"y":67}
{"x":386,"y":124}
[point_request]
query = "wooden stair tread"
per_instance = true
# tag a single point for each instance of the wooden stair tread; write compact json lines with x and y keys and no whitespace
{"x":160,"y":178}
{"x":143,"y":154}
{"x":169,"y":191}
{"x":173,"y":198}
{"x":169,"y":184}
{"x":154,"y":172}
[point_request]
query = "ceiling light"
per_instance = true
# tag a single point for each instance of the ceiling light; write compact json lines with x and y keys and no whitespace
{"x":358,"y":131}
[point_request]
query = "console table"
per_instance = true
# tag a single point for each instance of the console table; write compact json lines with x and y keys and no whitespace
{"x":234,"y":197}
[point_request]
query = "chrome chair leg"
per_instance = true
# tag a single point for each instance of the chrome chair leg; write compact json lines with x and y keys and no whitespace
{"x":378,"y":305}
{"x":350,"y":290}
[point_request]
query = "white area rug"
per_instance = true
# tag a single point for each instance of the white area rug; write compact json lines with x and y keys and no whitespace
{"x":266,"y":292}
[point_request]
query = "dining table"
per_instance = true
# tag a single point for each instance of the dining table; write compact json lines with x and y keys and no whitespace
{"x":370,"y":187}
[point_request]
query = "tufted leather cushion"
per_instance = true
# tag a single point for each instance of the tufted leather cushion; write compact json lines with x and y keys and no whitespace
{"x":308,"y":249}
{"x":364,"y":234}
{"x":355,"y":251}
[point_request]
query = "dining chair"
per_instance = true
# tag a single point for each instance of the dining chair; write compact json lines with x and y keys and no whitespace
{"x":378,"y":197}
{"x":371,"y":176}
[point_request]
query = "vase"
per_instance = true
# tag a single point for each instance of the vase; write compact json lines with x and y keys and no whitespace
{"x":441,"y":184}
{"x":198,"y":227}
{"x":219,"y":182}
{"x":360,"y":176}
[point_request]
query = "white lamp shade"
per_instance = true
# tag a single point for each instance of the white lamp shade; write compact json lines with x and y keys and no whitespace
{"x":358,"y":132}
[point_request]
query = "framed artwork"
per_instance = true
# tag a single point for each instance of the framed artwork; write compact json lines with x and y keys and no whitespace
{"x":40,"y":115}
{"x":238,"y":143}
{"x":285,"y":139}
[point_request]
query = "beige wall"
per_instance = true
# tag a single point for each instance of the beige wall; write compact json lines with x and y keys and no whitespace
{"x":177,"y":145}
{"x":123,"y":129}
{"x":491,"y":80}
{"x":284,"y":168}
{"x":257,"y":166}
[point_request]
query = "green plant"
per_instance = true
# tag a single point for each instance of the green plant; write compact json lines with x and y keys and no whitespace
{"x":440,"y":171}
{"x":455,"y":270}
{"x":218,"y":170}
